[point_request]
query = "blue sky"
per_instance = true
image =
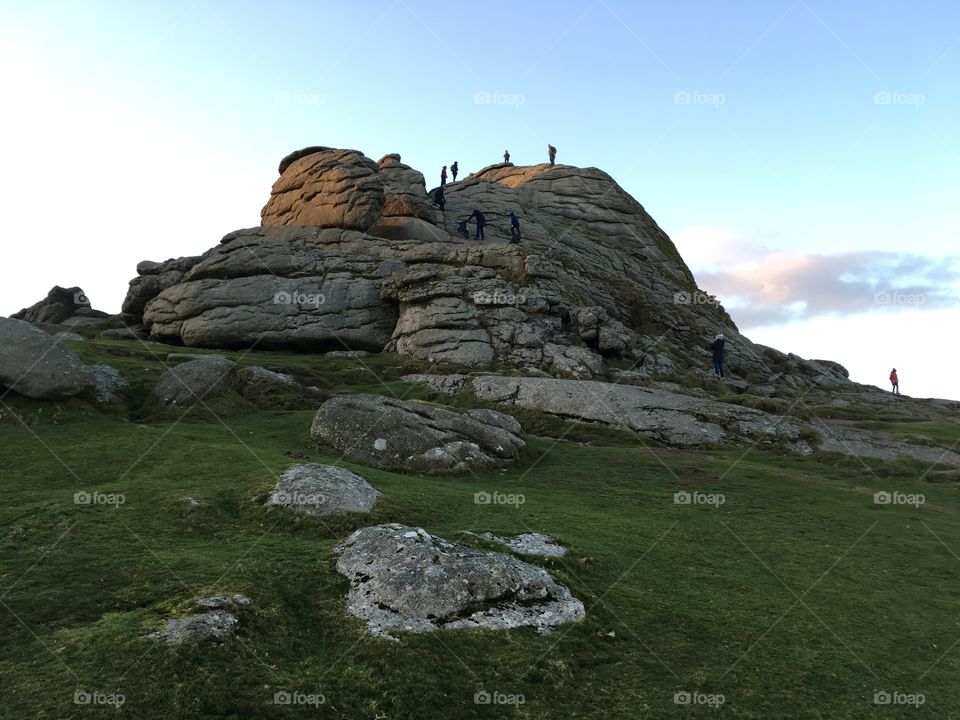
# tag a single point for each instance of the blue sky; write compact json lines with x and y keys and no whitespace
{"x":802,"y":154}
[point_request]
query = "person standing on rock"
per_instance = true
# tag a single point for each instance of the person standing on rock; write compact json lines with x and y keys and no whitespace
{"x":717,"y":348}
{"x":481,"y":223}
{"x":514,"y":229}
{"x":552,"y":154}
{"x":440,"y":199}
{"x":895,"y":381}
{"x":506,"y":156}
{"x":443,"y":176}
{"x":454,"y":169}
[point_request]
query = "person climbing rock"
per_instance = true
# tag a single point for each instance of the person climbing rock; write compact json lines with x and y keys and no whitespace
{"x":895,"y":381}
{"x":481,"y":222}
{"x":443,"y":176}
{"x":506,"y":156}
{"x":440,"y":199}
{"x":454,"y":169}
{"x":514,"y":229}
{"x":717,"y":348}
{"x":462,"y":229}
{"x":552,"y":154}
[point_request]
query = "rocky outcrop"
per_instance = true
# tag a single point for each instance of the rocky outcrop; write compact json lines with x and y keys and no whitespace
{"x":402,"y":579}
{"x":316,"y":489}
{"x":35,"y":364}
{"x":59,"y":306}
{"x":417,"y":437}
{"x":352,"y":255}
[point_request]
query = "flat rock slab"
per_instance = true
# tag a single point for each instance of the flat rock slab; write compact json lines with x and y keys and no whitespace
{"x":37,"y":365}
{"x":317,"y":489}
{"x":667,"y":417}
{"x":402,"y":579}
{"x":529,"y":544}
{"x":389,"y":433}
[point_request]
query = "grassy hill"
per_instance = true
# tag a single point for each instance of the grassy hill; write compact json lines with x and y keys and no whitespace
{"x":781,"y":590}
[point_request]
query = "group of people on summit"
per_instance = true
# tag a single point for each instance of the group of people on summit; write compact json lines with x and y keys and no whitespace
{"x":439,"y":198}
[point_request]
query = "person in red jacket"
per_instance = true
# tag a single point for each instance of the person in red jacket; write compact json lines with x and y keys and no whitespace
{"x":443,"y":176}
{"x":895,"y":381}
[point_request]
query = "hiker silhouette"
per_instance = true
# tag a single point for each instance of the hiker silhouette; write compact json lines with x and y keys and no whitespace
{"x":481,"y":223}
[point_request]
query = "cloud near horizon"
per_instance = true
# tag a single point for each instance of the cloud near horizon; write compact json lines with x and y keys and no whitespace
{"x":760,"y":287}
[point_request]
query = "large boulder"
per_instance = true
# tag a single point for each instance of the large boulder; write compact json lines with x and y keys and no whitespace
{"x":35,"y":364}
{"x":217,"y":624}
{"x":195,"y":381}
{"x":316,"y":489}
{"x":152,"y":279}
{"x":402,"y":579}
{"x":326,"y":188}
{"x":389,"y":433}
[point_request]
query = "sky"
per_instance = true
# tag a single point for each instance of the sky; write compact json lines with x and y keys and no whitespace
{"x":802,"y":154}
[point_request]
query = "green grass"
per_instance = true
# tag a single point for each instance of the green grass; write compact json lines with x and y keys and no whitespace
{"x":798,"y":597}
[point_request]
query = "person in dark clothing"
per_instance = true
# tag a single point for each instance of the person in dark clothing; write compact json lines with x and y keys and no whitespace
{"x":440,"y":199}
{"x":895,"y":381}
{"x":443,"y":176}
{"x":454,"y":169}
{"x":514,"y":229}
{"x":717,"y":348}
{"x":552,"y":154}
{"x":481,"y":222}
{"x":462,"y":229}
{"x":506,"y":156}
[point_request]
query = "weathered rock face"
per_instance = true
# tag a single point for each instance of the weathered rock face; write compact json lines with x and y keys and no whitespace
{"x":353,"y":255}
{"x":529,"y":544}
{"x":327,"y":188}
{"x":389,"y":433}
{"x":35,"y":364}
{"x":317,"y":489}
{"x":152,"y":279}
{"x":405,"y":192}
{"x":292,"y":287}
{"x":405,"y":580}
